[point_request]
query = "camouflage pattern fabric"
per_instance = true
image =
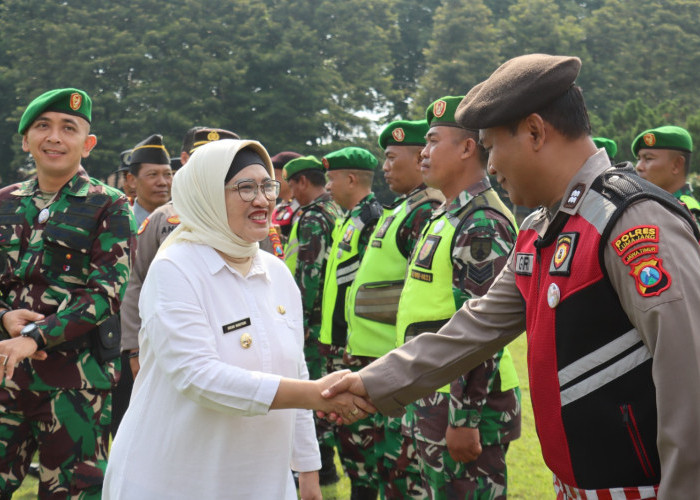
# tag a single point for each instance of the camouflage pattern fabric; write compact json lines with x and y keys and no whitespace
{"x":409,"y":232}
{"x":316,"y":222}
{"x":70,"y":430}
{"x":485,"y":478}
{"x":480,"y":251}
{"x":67,"y":257}
{"x":398,"y":463}
{"x":72,"y":268}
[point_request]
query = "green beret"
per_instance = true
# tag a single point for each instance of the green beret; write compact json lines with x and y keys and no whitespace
{"x":609,"y":145}
{"x":666,"y":137}
{"x":296,"y":165}
{"x":70,"y":101}
{"x":404,"y":133}
{"x":520,"y":86}
{"x":442,"y":112}
{"x":206,"y":135}
{"x":350,"y":158}
{"x":150,"y":150}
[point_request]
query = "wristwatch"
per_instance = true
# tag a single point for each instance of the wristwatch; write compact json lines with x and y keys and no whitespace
{"x":32,"y":331}
{"x":4,"y":334}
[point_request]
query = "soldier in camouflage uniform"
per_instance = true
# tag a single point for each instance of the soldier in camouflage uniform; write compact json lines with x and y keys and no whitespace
{"x":664,"y":158}
{"x":373,"y":298}
{"x":306,"y":253}
{"x":350,"y":173}
{"x":65,"y":240}
{"x":462,"y":431}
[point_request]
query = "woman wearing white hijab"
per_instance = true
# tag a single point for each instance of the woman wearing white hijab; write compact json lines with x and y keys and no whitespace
{"x":221,"y":344}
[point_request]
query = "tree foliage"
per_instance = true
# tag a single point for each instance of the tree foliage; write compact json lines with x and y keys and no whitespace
{"x":316,"y":75}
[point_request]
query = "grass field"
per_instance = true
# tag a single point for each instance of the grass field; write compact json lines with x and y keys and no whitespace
{"x":529,"y":478}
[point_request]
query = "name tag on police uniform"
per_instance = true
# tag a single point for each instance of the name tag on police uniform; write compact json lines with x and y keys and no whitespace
{"x":524,"y":263}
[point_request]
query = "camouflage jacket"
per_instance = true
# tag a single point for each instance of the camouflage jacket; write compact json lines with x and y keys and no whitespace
{"x":315,"y":228}
{"x":480,"y":251}
{"x":72,"y":267}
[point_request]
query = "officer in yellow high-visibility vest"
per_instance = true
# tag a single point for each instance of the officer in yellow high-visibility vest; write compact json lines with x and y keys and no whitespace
{"x":462,"y":431}
{"x":373,"y":298}
{"x":350,"y":173}
{"x":663,"y":158}
{"x":306,"y":253}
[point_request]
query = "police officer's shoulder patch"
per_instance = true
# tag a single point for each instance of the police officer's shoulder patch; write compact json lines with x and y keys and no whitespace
{"x":143,"y":225}
{"x":650,"y":277}
{"x":174,"y":219}
{"x":633,"y":236}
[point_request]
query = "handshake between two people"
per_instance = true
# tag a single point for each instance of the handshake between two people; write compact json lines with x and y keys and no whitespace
{"x":345,"y":398}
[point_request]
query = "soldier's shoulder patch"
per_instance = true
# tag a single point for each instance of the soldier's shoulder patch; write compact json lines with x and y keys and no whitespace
{"x":633,"y":236}
{"x":650,"y":277}
{"x":174,"y":219}
{"x":143,"y":225}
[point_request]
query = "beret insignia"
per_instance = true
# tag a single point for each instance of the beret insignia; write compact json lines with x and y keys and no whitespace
{"x":398,"y":134}
{"x":326,"y":165}
{"x":213,"y":136}
{"x":76,"y":100}
{"x":439,"y":108}
{"x":649,"y":139}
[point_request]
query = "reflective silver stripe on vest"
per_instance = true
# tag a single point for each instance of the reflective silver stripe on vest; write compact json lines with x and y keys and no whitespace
{"x":608,"y":374}
{"x":347,"y":274}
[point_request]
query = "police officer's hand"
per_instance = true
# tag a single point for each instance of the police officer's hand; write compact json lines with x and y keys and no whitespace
{"x":13,"y":351}
{"x":463,"y":443}
{"x":15,"y":320}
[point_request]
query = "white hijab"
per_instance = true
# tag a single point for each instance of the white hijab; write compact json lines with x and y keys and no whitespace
{"x":199,"y":198}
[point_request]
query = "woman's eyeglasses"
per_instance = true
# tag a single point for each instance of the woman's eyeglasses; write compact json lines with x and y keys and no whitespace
{"x":248,"y":190}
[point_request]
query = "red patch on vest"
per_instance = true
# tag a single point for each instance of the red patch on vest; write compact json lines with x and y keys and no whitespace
{"x":650,"y":277}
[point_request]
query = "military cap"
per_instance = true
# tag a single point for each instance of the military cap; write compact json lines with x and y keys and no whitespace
{"x":442,"y":112}
{"x":520,"y":86}
{"x":150,"y":150}
{"x":124,"y":160}
{"x":206,"y":135}
{"x":70,"y":101}
{"x":666,"y":137}
{"x":609,"y":145}
{"x":296,"y":165}
{"x":175,"y":163}
{"x":404,"y":133}
{"x":281,"y":159}
{"x":350,"y":158}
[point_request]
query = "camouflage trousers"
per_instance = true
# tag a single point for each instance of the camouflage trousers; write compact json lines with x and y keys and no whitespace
{"x":398,"y":466}
{"x":314,"y":353}
{"x":70,"y":430}
{"x":485,"y":478}
{"x":355,"y":442}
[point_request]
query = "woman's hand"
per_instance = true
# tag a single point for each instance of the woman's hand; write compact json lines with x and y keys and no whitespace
{"x":309,"y":487}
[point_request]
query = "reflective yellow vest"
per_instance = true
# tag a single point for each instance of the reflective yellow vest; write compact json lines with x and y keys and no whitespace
{"x":373,"y":298}
{"x":427,"y":301}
